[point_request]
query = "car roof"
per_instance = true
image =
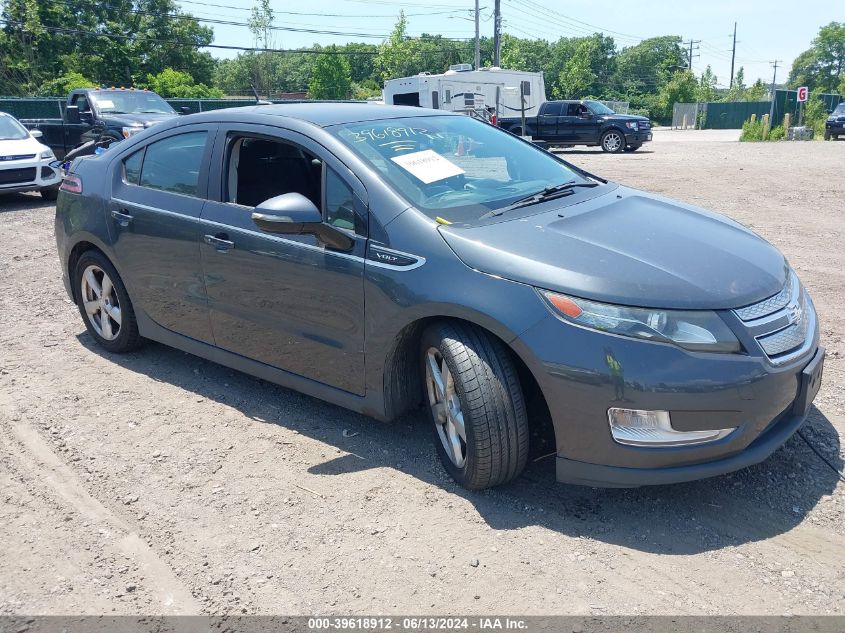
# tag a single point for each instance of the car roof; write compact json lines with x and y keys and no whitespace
{"x":325,"y":114}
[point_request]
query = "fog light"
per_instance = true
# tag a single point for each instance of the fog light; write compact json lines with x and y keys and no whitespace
{"x":637,"y":427}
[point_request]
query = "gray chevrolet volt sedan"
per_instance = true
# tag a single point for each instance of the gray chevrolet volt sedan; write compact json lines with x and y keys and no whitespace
{"x":383,"y":258}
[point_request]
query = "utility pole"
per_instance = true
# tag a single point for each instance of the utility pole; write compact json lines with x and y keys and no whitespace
{"x":497,"y":32}
{"x":689,"y":54}
{"x":772,"y":90}
{"x":733,"y":57}
{"x":477,"y":39}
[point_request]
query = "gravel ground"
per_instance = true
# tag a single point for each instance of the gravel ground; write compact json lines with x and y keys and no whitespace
{"x":160,"y":483}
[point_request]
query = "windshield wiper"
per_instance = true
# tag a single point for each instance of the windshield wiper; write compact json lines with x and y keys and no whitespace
{"x":549,"y":193}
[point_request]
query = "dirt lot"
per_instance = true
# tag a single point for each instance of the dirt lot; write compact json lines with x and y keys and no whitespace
{"x":160,"y":483}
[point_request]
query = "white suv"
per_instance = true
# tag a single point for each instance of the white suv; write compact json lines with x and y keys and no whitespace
{"x":24,"y":161}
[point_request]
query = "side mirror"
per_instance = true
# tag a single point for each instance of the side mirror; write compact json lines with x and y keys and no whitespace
{"x":830,"y":111}
{"x":36,"y":133}
{"x":73,"y":114}
{"x":185,"y":110}
{"x":294,"y":214}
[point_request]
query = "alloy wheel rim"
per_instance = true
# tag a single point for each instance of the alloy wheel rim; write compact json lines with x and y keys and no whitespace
{"x":445,"y":407}
{"x":612,"y":141}
{"x":99,"y":298}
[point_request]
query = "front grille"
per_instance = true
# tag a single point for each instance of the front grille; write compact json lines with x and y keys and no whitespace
{"x":770,"y":305}
{"x":786,"y":339}
{"x":16,"y":157}
{"x":12,"y":176}
{"x":644,"y":125}
{"x":782,"y":324}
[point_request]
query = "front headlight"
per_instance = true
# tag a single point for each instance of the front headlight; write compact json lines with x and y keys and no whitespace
{"x":633,"y":125}
{"x":697,"y":330}
{"x":131,"y":131}
{"x":48,"y":154}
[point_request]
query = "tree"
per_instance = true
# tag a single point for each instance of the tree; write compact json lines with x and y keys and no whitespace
{"x":62,"y":86}
{"x":757,"y":92}
{"x":823,"y":63}
{"x":171,"y":83}
{"x":261,"y":25}
{"x":706,"y":91}
{"x":395,"y":55}
{"x":331,"y":76}
{"x":115,"y":42}
{"x":681,"y":88}
{"x":737,"y":90}
{"x":588,"y":64}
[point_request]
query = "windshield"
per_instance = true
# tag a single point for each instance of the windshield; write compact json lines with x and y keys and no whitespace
{"x":598,"y":107}
{"x":11,"y":130}
{"x":130,"y":102}
{"x":454,"y":168}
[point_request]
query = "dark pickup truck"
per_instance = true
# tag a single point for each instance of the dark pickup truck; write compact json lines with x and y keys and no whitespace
{"x":569,"y":123}
{"x":115,"y":113}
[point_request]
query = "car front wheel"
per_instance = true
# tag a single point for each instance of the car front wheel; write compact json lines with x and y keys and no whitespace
{"x":476,"y":405}
{"x":104,"y":304}
{"x":612,"y":141}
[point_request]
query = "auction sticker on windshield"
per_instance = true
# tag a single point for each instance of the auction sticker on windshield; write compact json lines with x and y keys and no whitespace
{"x":427,"y":166}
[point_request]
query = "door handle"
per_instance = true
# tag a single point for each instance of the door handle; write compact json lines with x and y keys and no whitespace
{"x":122,"y":218}
{"x":220,"y":241}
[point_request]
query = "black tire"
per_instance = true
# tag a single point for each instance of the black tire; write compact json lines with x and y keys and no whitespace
{"x":127,"y":337}
{"x":632,"y":148}
{"x":827,"y":135}
{"x":492,"y":405}
{"x":50,"y":194}
{"x":612,"y":141}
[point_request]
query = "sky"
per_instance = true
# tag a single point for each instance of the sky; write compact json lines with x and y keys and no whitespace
{"x":767,"y":30}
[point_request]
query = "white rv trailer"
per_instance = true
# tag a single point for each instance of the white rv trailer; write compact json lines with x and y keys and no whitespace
{"x":482,"y":93}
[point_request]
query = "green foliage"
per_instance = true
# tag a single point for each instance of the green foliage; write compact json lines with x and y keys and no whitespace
{"x":33,"y":52}
{"x":61,"y":86}
{"x":815,"y":113}
{"x":330,"y":77}
{"x":366,"y":89}
{"x":777,"y":133}
{"x":175,"y":84}
{"x":822,"y":65}
{"x":706,"y":91}
{"x":752,"y":131}
{"x":681,"y":88}
{"x":757,"y":92}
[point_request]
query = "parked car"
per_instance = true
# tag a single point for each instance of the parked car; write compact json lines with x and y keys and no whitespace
{"x":25,"y":161}
{"x":570,"y":123}
{"x":103,"y":114}
{"x":834,"y":127}
{"x":383,"y":258}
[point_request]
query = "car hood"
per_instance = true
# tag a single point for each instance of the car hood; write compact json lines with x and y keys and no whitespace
{"x":146,"y":120}
{"x":630,"y":248}
{"x":19,"y":147}
{"x":625,"y":117}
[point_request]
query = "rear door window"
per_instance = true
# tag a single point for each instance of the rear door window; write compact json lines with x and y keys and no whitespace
{"x":132,"y":168}
{"x":173,"y":164}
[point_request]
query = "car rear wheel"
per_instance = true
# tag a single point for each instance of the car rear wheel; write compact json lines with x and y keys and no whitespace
{"x":50,"y":193}
{"x":612,"y":141}
{"x":476,"y":405}
{"x":104,"y":304}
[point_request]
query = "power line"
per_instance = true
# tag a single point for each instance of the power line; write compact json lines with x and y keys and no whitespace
{"x":326,"y":15}
{"x":136,"y":38}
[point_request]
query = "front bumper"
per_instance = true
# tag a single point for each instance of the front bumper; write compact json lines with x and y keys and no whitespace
{"x":701,"y":391}
{"x":27,"y":175}
{"x":638,"y":138}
